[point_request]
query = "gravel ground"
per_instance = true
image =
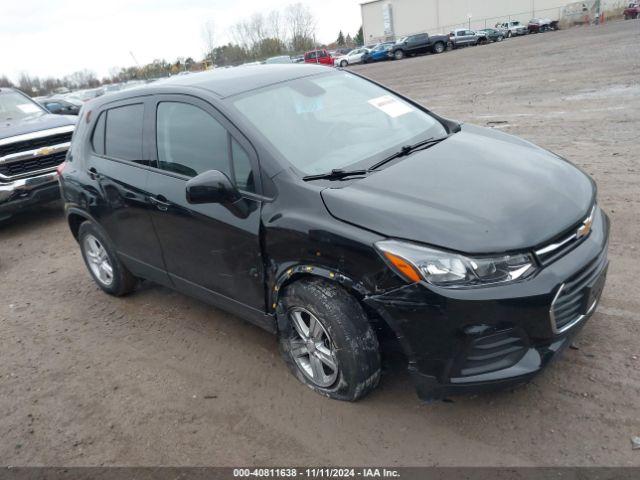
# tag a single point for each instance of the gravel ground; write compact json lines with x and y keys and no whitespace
{"x":158,"y":378}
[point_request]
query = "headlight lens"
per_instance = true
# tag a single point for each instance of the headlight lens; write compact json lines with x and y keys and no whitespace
{"x":415,"y":262}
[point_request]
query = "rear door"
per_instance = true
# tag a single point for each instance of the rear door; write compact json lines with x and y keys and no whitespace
{"x":210,"y":251}
{"x":118,"y":164}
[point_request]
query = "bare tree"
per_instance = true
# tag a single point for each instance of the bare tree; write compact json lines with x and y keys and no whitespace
{"x":301,"y":25}
{"x":5,"y":82}
{"x":209,"y":38}
{"x":276,"y":26}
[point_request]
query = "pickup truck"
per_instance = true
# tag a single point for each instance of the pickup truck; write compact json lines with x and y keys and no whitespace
{"x":512,"y":28}
{"x":33,"y":142}
{"x":632,"y":11}
{"x":420,"y":43}
{"x":463,"y":37}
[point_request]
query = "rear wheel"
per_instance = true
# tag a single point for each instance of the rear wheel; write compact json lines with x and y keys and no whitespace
{"x":327,"y":340}
{"x":398,"y":54}
{"x":439,"y":47}
{"x":102,"y":262}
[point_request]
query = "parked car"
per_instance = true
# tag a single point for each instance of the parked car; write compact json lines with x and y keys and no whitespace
{"x":60,"y":106}
{"x":462,"y":37}
{"x":343,"y":51}
{"x":86,"y":95}
{"x":632,"y":11}
{"x":420,"y":43}
{"x":279,"y":59}
{"x":319,"y":57}
{"x":540,"y":25}
{"x":378,"y":53}
{"x":297,"y":59}
{"x":206,"y":184}
{"x":33,"y":142}
{"x":352,"y":58}
{"x":492,"y":34}
{"x":512,"y":29}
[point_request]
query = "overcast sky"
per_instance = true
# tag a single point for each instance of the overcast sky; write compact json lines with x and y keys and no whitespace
{"x":58,"y":37}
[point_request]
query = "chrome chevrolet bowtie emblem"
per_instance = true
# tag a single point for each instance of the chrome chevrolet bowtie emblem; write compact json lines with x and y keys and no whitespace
{"x":43,"y":151}
{"x":585,"y":228}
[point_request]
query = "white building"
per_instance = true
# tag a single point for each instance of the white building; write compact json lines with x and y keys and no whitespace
{"x":390,"y":19}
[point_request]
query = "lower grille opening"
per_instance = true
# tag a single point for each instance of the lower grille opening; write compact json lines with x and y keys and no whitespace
{"x":492,"y":352}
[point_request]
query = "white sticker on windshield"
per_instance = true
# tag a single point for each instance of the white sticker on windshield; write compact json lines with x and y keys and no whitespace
{"x":28,"y":108}
{"x":391,"y":106}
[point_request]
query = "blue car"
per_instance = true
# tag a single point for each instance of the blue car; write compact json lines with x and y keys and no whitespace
{"x":378,"y":53}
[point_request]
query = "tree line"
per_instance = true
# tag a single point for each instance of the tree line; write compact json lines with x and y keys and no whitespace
{"x":289,"y":31}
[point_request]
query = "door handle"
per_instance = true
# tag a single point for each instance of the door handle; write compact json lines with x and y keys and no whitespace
{"x":160,"y":202}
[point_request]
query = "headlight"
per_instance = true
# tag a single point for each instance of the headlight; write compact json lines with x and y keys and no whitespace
{"x":415,"y":263}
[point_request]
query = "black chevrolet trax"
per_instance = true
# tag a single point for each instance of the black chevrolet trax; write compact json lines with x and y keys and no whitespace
{"x":341,"y":216}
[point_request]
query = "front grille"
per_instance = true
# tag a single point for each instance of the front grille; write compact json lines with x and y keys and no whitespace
{"x":570,"y":302}
{"x":34,"y":144}
{"x":493,"y":352}
{"x":37,"y":163}
{"x":563,"y":244}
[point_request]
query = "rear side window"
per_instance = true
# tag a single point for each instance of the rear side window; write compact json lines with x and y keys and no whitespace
{"x":97,"y":141}
{"x":123,"y":137}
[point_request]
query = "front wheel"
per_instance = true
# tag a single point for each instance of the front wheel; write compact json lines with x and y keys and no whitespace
{"x":509,"y":34}
{"x":398,"y":54}
{"x":327,"y":341}
{"x":343,"y":63}
{"x":500,"y":38}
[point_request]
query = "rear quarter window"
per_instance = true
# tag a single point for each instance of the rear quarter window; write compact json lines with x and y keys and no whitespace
{"x":123,"y":133}
{"x":97,"y":139}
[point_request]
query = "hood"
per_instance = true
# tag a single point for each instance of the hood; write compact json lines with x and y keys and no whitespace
{"x":18,"y":127}
{"x":479,"y":191}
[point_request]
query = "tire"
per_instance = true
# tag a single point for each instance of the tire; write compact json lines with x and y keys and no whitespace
{"x":343,"y":336}
{"x":626,"y":17}
{"x":500,"y":38}
{"x":439,"y":47}
{"x":112,"y":276}
{"x":398,"y":54}
{"x":344,"y":63}
{"x":509,"y":34}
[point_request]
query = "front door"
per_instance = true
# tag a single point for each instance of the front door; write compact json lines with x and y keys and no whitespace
{"x":210,"y":251}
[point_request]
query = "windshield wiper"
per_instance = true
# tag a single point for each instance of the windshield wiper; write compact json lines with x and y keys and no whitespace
{"x":335,"y":174}
{"x":408,"y":150}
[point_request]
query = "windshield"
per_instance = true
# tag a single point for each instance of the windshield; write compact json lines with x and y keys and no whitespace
{"x":335,"y":120}
{"x":15,"y":106}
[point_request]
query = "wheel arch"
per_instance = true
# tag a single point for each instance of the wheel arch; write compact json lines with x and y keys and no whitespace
{"x":75,"y":218}
{"x":383,"y":326}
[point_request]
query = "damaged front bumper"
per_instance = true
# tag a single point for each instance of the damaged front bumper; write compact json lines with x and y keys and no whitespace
{"x":461,"y":341}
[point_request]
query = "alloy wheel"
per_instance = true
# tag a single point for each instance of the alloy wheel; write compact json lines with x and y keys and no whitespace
{"x":98,"y":260}
{"x":312,"y":349}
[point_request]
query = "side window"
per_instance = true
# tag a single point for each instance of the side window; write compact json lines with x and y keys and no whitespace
{"x":123,"y":137}
{"x":242,"y":168}
{"x":97,"y":141}
{"x":190,"y":141}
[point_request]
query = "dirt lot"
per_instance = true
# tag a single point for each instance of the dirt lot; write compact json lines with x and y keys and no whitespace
{"x":158,"y":378}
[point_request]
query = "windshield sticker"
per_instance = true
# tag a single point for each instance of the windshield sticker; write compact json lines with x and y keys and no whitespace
{"x":28,"y":108}
{"x":389,"y":105}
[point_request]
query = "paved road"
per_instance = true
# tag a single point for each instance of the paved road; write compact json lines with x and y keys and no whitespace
{"x":158,"y":378}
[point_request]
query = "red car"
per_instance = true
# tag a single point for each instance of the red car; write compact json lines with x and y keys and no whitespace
{"x":632,"y":11}
{"x":319,"y":56}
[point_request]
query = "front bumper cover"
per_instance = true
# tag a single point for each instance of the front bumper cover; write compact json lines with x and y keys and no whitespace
{"x":474,"y":340}
{"x":26,"y":192}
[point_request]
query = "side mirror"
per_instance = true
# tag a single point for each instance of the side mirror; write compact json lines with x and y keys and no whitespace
{"x":212,"y":186}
